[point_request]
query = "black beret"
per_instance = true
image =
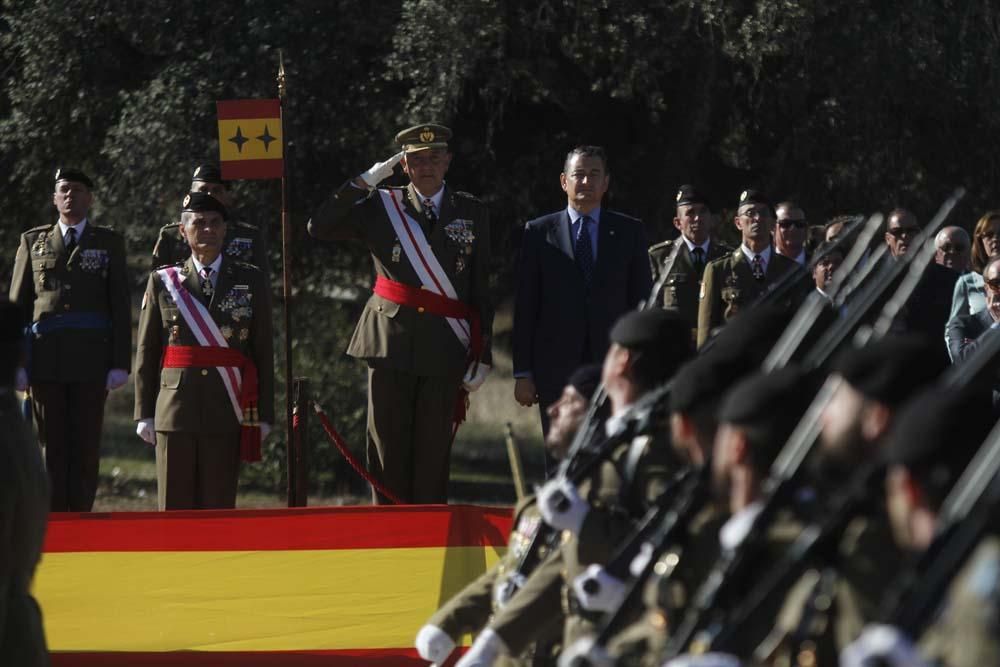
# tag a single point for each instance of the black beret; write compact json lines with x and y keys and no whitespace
{"x":937,"y":433}
{"x":750,"y":197}
{"x":689,"y":194}
{"x":752,"y":333}
{"x":585,"y":379}
{"x":893,"y":368}
{"x":423,"y":137}
{"x":201,"y":201}
{"x":770,"y":404}
{"x":75,"y":175}
{"x":701,"y":382}
{"x":11,"y":322}
{"x":208,"y":173}
{"x":662,"y":336}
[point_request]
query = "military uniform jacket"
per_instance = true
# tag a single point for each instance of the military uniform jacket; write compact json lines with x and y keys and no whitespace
{"x":729,"y":285}
{"x":244,"y":242}
{"x":24,"y":509}
{"x":389,"y":335}
{"x":48,"y":281}
{"x":195,"y":399}
{"x":473,"y":608}
{"x":683,"y":284}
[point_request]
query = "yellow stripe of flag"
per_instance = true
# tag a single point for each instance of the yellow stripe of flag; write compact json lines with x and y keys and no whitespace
{"x":250,"y":139}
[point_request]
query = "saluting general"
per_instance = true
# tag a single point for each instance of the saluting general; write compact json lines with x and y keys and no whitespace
{"x":70,"y":280}
{"x":425,"y":331}
{"x":204,"y":379}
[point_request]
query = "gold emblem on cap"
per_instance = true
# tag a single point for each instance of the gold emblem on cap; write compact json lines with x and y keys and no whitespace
{"x":187,"y":200}
{"x":197,"y":171}
{"x":680,"y":193}
{"x":427,"y":135}
{"x":743,"y":196}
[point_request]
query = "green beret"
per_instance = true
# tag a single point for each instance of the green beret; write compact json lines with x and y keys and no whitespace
{"x":74,"y":175}
{"x":689,"y":194}
{"x":198,"y":202}
{"x":893,"y":368}
{"x":752,"y":197}
{"x":208,"y":173}
{"x":423,"y":137}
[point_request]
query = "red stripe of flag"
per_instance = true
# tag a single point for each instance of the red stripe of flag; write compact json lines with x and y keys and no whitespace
{"x":233,"y":109}
{"x":363,"y":527}
{"x":233,"y":170}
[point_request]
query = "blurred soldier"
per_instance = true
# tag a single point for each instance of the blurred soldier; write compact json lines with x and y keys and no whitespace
{"x":471,"y":609}
{"x":686,"y":257}
{"x":425,"y":331}
{"x":596,"y":514}
{"x":24,"y":507}
{"x":204,"y":381}
{"x":70,"y":280}
{"x":954,"y":249}
{"x":934,"y":441}
{"x":580,"y":269}
{"x":790,"y":232}
{"x":244,"y":242}
{"x":736,"y":280}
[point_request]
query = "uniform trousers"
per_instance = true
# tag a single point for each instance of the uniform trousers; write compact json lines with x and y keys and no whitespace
{"x":197,"y":470}
{"x":410,"y":424}
{"x":69,"y":418}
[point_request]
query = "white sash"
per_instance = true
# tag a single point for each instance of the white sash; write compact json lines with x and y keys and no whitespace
{"x":206,"y":331}
{"x":422,"y":259}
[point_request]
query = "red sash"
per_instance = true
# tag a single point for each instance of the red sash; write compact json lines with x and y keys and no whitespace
{"x":184,"y":356}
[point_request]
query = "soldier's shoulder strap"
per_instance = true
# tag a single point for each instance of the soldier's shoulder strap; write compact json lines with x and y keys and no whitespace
{"x":39,"y":229}
{"x":468,"y":196}
{"x":168,"y":264}
{"x":661,"y":248}
{"x":105,"y":230}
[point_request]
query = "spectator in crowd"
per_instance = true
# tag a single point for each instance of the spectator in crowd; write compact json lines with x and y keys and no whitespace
{"x":790,"y":232}
{"x":826,"y":267}
{"x":964,"y":331}
{"x":953,"y":249}
{"x":969,"y":296}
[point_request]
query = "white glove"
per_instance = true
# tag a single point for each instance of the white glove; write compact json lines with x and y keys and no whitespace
{"x":584,"y":652}
{"x":704,"y":660}
{"x":380,"y":171}
{"x":881,"y":642}
{"x":144,"y":429}
{"x":473,"y":381}
{"x":561,"y":506}
{"x":641,"y":559}
{"x":609,"y":591}
{"x":265,"y":430}
{"x":434,"y":644}
{"x":484,"y":651}
{"x":21,"y":380}
{"x":117,"y":377}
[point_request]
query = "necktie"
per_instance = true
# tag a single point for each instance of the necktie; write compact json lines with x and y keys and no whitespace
{"x":206,"y":282}
{"x":757,"y":264}
{"x":70,"y":240}
{"x":698,"y":257}
{"x":584,"y":251}
{"x":429,"y":215}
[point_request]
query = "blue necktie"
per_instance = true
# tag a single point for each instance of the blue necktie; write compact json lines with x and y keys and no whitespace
{"x":584,"y":251}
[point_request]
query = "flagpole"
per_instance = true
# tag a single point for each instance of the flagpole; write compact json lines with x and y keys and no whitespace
{"x":286,"y":271}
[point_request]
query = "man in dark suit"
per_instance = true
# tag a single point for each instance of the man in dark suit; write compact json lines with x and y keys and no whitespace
{"x":70,"y":279}
{"x":685,"y":257}
{"x":425,"y":331}
{"x":790,"y":232}
{"x":581,"y":268}
{"x":964,"y":331}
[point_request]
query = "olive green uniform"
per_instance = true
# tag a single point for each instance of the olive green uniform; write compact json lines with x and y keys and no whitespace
{"x":244,"y":243}
{"x":415,"y":360}
{"x":683,"y":283}
{"x":69,"y":366}
{"x":24,"y":507}
{"x":476,"y":604}
{"x":729,"y":285}
{"x":197,"y":433}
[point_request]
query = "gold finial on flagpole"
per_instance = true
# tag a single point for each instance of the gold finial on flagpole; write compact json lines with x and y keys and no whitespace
{"x":281,"y":74}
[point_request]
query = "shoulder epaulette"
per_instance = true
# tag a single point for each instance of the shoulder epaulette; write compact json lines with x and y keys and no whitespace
{"x":468,"y":195}
{"x":662,"y":245}
{"x":106,"y":229}
{"x":41,"y":228}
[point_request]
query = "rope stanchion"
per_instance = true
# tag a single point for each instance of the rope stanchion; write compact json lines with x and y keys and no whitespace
{"x":341,"y":446}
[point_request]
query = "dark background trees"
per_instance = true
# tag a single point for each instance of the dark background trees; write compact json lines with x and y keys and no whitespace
{"x":849,"y":106}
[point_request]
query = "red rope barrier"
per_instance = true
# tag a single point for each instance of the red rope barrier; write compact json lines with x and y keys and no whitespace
{"x":341,"y":446}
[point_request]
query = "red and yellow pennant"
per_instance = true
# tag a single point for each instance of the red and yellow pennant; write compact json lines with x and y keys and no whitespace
{"x":332,"y":586}
{"x":250,"y":139}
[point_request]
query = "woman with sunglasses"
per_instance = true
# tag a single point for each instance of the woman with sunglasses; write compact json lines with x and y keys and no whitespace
{"x":969,"y":297}
{"x":963,"y":332}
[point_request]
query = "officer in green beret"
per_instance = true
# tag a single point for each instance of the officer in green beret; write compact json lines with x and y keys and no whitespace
{"x":425,"y":331}
{"x":244,"y":242}
{"x":204,"y":380}
{"x":736,"y":280}
{"x":71,"y":282}
{"x":685,"y":258}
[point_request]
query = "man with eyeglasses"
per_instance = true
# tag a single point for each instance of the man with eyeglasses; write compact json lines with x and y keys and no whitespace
{"x":965,"y":331}
{"x":736,"y":280}
{"x":953,"y":249}
{"x":929,"y":307}
{"x":790,"y":232}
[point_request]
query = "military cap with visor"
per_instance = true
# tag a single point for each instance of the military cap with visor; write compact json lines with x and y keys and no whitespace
{"x":423,"y":137}
{"x":74,"y":175}
{"x":689,"y":194}
{"x":200,"y":202}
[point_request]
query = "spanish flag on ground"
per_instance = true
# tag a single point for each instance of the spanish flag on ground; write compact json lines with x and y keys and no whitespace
{"x":331,"y":586}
